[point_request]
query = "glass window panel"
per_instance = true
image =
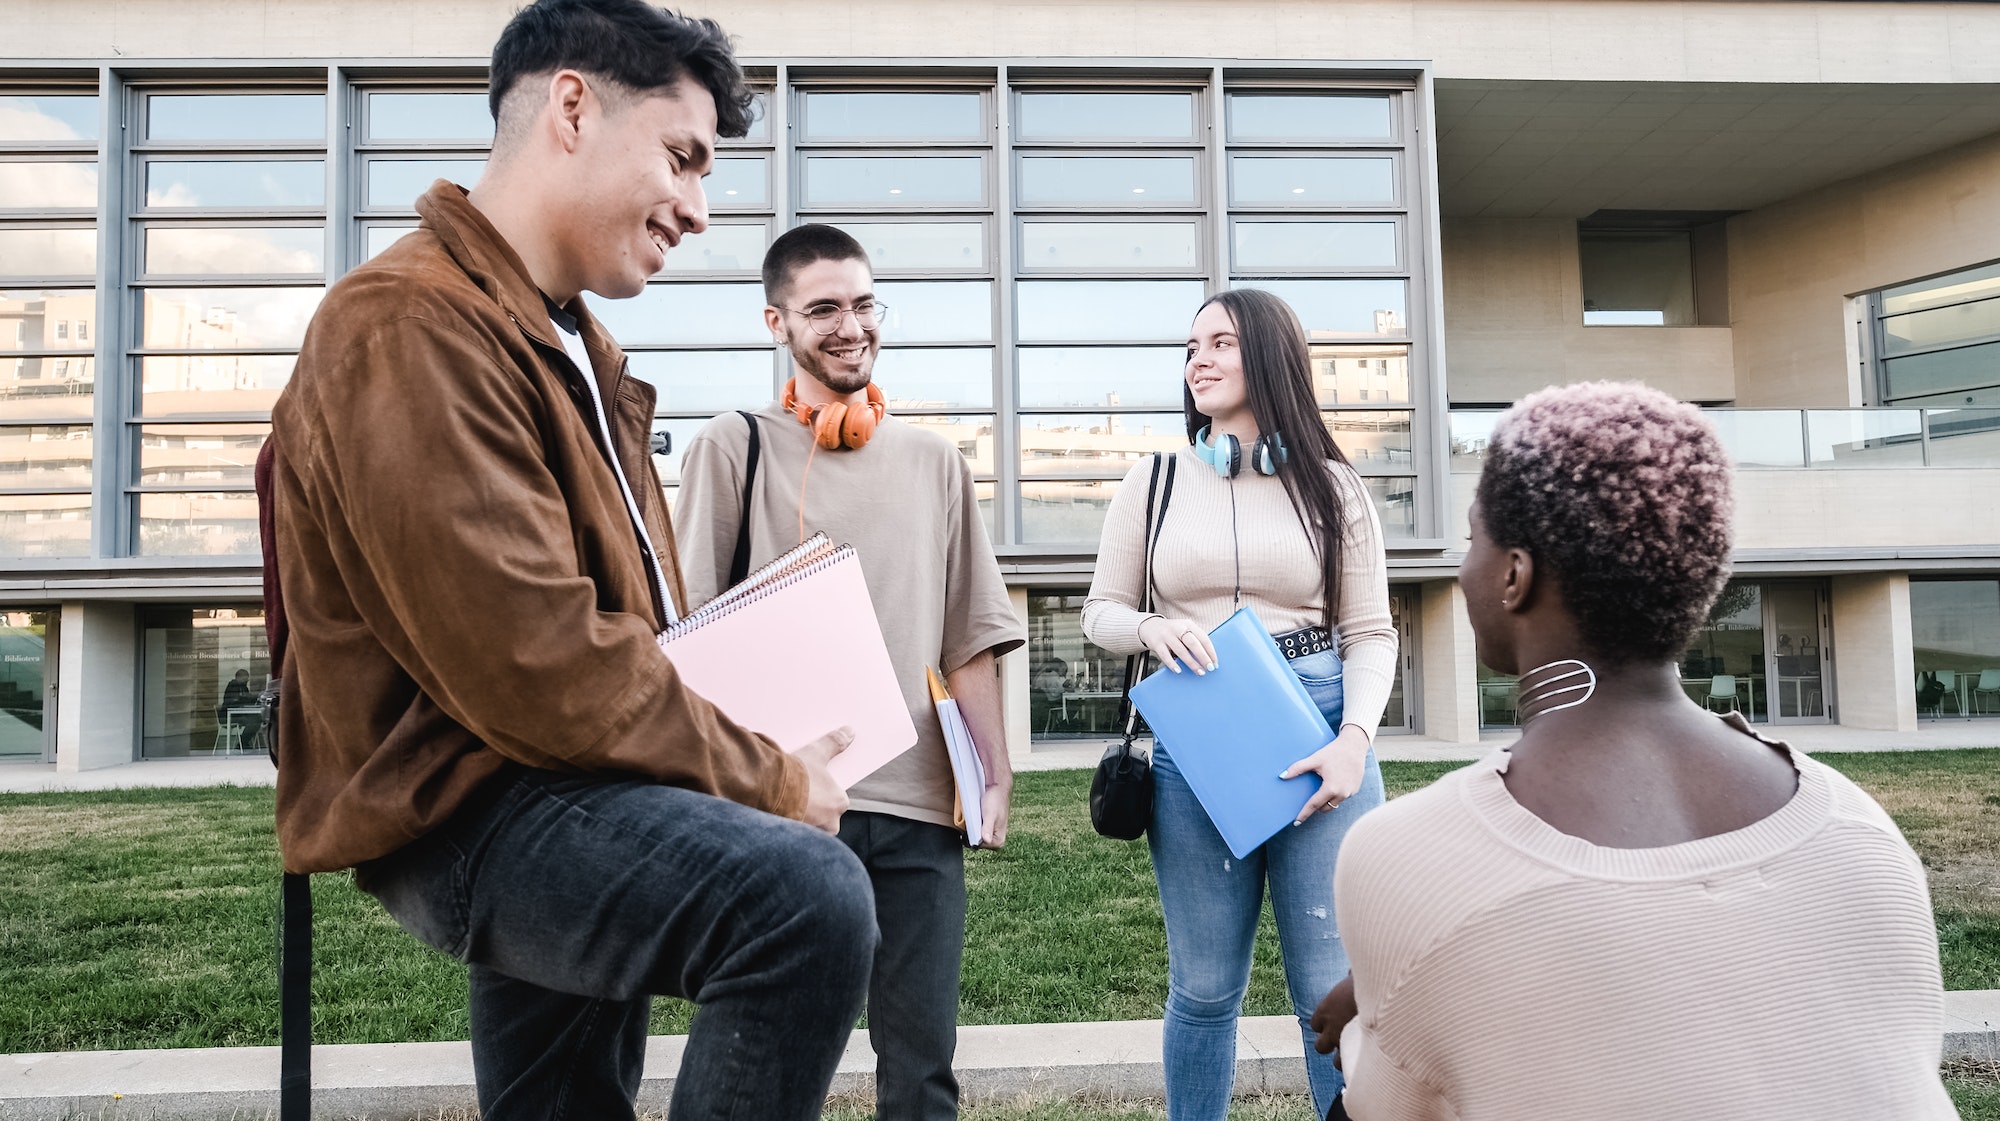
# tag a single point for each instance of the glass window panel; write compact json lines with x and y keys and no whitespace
{"x":1114,"y":376}
{"x":985,"y":495}
{"x":937,"y":311}
{"x":894,"y":180}
{"x":935,"y":377}
{"x":1971,"y":284}
{"x":1259,"y":116}
{"x":712,"y":381}
{"x":173,"y":184}
{"x":200,"y":455}
{"x":1374,"y":440}
{"x":382,"y":237}
{"x":1070,"y":512}
{"x":45,"y":456}
{"x":1637,"y":279}
{"x":1964,"y":437}
{"x":1314,"y":245}
{"x":198,"y":525}
{"x":24,"y":670}
{"x":1332,"y":310}
{"x":51,"y":253}
{"x":1110,"y":116}
{"x":1326,"y":180}
{"x":1096,"y":443}
{"x":1499,"y":698}
{"x":1108,"y":180}
{"x":229,"y":116}
{"x":1865,"y":437}
{"x":681,"y":431}
{"x":243,"y":250}
{"x":971,"y":435}
{"x":1361,"y":375}
{"x":1471,"y":431}
{"x":47,"y":319}
{"x":1988,"y":397}
{"x":721,"y":248}
{"x":921,"y":245}
{"x":203,"y":669}
{"x":429,"y":116}
{"x":1942,"y":371}
{"x":760,"y":118}
{"x":1074,"y":685}
{"x":227,"y":318}
{"x":687,"y":313}
{"x":44,"y":525}
{"x":53,"y":119}
{"x":893,"y":116}
{"x":48,"y":185}
{"x":1732,"y":644}
{"x":1941,"y":326}
{"x":1136,"y":246}
{"x":738,"y":183}
{"x":1955,"y":630}
{"x":46,"y":388}
{"x":1396,"y":505}
{"x":1109,"y":310}
{"x":206,"y":384}
{"x":1761,"y":437}
{"x":396,"y":184}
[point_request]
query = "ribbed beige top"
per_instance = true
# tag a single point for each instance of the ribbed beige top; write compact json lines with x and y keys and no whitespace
{"x":1503,"y":969}
{"x":1194,"y":571}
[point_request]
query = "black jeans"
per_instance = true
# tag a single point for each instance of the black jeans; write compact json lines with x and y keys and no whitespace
{"x":918,"y":871}
{"x":573,"y":900}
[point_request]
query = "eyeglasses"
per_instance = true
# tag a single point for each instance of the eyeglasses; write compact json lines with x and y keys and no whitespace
{"x":825,"y":318}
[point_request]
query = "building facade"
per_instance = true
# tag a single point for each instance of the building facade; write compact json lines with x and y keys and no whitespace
{"x":1788,"y":213}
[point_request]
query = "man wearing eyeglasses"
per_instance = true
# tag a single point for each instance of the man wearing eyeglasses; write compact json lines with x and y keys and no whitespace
{"x":831,"y":460}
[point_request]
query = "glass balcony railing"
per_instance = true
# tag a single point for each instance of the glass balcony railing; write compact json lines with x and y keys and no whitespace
{"x":1809,"y":438}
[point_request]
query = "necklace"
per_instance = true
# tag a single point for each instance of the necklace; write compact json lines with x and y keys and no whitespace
{"x":1561,"y":684}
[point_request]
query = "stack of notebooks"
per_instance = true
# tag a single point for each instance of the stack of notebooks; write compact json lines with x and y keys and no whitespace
{"x":794,"y":652}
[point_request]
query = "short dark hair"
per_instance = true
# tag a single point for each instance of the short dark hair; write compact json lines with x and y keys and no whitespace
{"x":628,"y":43}
{"x":801,"y":246}
{"x":1624,"y":495}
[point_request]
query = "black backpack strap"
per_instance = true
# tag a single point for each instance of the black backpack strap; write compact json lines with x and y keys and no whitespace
{"x":739,"y":561}
{"x":295,"y":1001}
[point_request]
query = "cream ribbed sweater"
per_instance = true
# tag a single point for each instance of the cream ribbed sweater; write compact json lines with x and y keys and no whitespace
{"x":1787,"y":970}
{"x":1194,"y":568}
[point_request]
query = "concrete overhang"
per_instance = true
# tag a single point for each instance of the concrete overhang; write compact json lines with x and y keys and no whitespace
{"x":1564,"y":149}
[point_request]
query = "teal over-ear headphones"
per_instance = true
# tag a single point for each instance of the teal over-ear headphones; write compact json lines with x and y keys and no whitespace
{"x":1226,"y":455}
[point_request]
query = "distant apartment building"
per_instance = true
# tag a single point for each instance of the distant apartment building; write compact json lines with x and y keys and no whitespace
{"x":1788,"y":213}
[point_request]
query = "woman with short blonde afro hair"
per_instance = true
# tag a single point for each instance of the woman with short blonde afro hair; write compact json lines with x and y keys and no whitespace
{"x":1623,"y":493}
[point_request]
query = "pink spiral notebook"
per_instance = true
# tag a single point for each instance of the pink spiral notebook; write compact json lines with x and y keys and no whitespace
{"x":794,"y":652}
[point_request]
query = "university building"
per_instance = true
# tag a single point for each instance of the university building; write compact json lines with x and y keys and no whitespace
{"x":1788,"y":213}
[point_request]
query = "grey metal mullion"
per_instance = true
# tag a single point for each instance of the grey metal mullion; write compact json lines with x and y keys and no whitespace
{"x":1006,"y":426}
{"x":342,"y":233}
{"x":113,"y":390}
{"x":1218,"y":184}
{"x":781,"y":173}
{"x":1427,"y":395}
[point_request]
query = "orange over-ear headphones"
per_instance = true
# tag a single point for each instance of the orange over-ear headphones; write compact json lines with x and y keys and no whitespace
{"x":836,"y":426}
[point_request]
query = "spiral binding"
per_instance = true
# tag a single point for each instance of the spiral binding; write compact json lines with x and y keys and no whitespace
{"x":803,"y":551}
{"x":752,"y":591}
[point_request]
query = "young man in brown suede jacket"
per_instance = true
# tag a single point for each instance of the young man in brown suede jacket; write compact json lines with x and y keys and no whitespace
{"x":475,"y":563}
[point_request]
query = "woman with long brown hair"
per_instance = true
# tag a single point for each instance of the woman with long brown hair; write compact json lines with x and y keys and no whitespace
{"x":1266,"y":513}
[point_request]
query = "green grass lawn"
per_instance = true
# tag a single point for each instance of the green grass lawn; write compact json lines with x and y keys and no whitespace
{"x":149,"y":918}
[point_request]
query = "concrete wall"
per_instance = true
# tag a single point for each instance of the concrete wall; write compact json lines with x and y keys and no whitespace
{"x":1449,"y":664}
{"x":1525,"y":39}
{"x":1874,"y":662}
{"x":96,"y":701}
{"x":1792,"y":265}
{"x":1513,"y":321}
{"x":1014,"y":685}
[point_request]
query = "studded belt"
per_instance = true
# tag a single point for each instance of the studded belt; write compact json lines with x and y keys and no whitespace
{"x":1306,"y":640}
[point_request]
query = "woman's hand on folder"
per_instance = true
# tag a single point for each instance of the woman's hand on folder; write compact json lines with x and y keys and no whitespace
{"x":1340,"y":765}
{"x":825,"y":800}
{"x":1178,"y":642}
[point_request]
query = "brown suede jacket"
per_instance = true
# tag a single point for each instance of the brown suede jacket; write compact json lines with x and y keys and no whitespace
{"x":460,"y":574}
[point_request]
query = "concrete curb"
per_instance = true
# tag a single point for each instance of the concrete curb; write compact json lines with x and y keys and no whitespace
{"x":409,"y":1081}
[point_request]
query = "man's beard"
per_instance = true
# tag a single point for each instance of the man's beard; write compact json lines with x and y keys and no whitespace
{"x":814,"y":362}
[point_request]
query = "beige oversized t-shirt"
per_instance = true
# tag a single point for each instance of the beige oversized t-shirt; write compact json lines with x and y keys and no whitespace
{"x":905,"y":502}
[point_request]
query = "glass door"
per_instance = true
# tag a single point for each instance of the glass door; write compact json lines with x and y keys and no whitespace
{"x":1795,"y":630}
{"x":1397,"y":716}
{"x":27,"y":673}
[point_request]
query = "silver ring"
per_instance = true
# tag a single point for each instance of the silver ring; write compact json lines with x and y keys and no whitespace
{"x":1185,"y":633}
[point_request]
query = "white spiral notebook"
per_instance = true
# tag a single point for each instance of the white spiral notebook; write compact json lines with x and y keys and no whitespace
{"x":793,"y":652}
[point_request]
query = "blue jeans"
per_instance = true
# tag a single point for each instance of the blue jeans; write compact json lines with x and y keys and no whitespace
{"x":1212,"y":901}
{"x":574,"y":899}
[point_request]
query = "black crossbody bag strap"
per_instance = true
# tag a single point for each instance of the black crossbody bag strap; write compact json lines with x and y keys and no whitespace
{"x":1136,"y":663}
{"x":739,"y":561}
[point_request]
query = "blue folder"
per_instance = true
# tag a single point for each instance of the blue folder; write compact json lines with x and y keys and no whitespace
{"x":1233,"y":730}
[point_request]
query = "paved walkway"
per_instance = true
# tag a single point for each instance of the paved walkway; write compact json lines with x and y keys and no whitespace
{"x":397,"y":1081}
{"x":255,"y":770}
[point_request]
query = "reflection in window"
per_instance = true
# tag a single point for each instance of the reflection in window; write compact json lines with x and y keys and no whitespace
{"x":1074,"y":685}
{"x":697,"y":381}
{"x":198,"y":524}
{"x":207,"y":384}
{"x":894,"y":180}
{"x":720,"y":248}
{"x":738,"y":183}
{"x":1333,"y":310}
{"x":1096,"y":443}
{"x":1396,"y":505}
{"x":383,"y":236}
{"x":1637,"y":278}
{"x":1939,"y":339}
{"x":920,"y":245}
{"x":937,"y":311}
{"x":1312,"y":117}
{"x":238,"y":250}
{"x":1313,"y":245}
{"x":44,"y":525}
{"x":1123,"y":246}
{"x":48,"y":185}
{"x":1373,"y":440}
{"x":1361,"y":375}
{"x":29,"y":317}
{"x":1065,"y":513}
{"x":1295,"y":180}
{"x":1723,"y":668}
{"x":45,"y":388}
{"x":1964,"y":437}
{"x":1119,"y":181}
{"x":893,"y":116}
{"x":971,"y":435}
{"x":1106,"y":116}
{"x":24,"y":671}
{"x":1128,"y":376}
{"x":1760,"y":437}
{"x":222,"y":116}
{"x":227,"y":318}
{"x":430,"y":116}
{"x":200,"y":455}
{"x":203,"y":670}
{"x":686,"y":313}
{"x":935,"y":377}
{"x":236,"y":183}
{"x":1106,"y":310}
{"x":54,"y":119}
{"x":397,"y":184}
{"x":49,"y":253}
{"x":45,"y":456}
{"x":1955,"y":630}
{"x":1865,"y":437}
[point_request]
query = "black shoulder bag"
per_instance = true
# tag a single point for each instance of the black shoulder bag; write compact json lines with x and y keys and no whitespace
{"x":1121,"y":792}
